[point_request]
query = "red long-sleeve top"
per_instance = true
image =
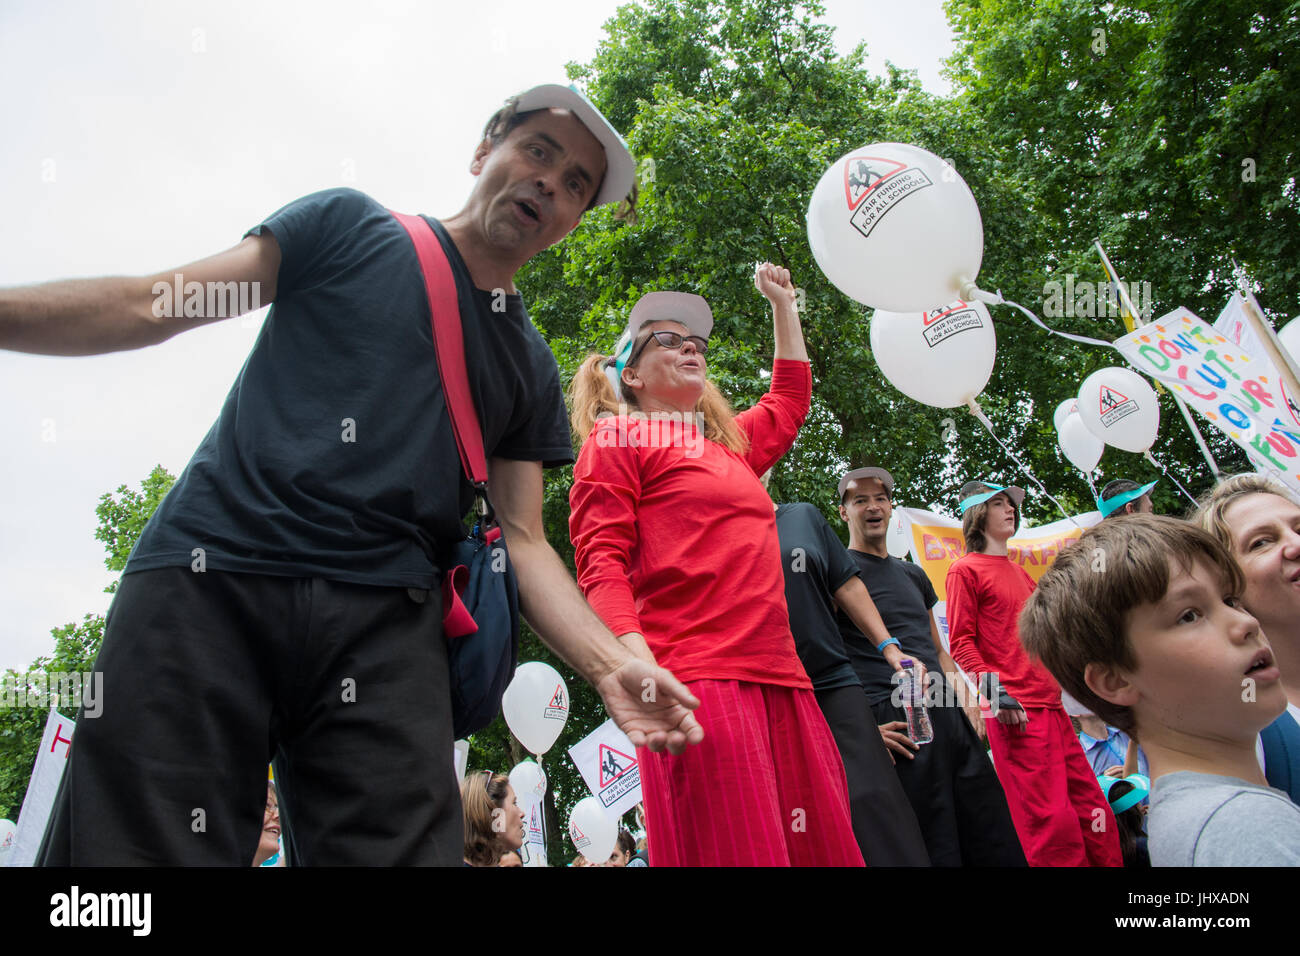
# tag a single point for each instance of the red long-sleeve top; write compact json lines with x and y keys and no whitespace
{"x":675,"y":538}
{"x":985,"y":595}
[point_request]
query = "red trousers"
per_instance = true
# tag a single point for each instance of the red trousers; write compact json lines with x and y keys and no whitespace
{"x":1060,"y":813}
{"x":765,"y":787}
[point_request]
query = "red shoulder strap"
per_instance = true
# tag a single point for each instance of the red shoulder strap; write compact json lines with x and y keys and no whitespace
{"x":449,"y":343}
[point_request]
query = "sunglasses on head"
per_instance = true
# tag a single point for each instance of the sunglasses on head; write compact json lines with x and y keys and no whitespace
{"x":671,"y":340}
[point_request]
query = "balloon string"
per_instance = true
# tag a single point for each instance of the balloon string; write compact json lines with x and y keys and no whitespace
{"x":1087,"y":476}
{"x":1170,"y":475}
{"x":979,"y":414}
{"x":541,"y":811}
{"x":1083,"y":339}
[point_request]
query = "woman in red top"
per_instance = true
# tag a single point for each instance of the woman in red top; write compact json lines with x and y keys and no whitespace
{"x":677,"y":550}
{"x":1060,"y":813}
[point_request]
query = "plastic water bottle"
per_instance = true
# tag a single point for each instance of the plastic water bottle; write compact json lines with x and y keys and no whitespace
{"x":913,"y":700}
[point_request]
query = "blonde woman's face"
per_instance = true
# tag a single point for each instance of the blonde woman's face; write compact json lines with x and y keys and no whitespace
{"x":666,"y":377}
{"x":1266,"y":541}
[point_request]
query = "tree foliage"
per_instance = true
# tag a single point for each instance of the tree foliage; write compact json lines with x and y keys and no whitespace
{"x":122,"y":516}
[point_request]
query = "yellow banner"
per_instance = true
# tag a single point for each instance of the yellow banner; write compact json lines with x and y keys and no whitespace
{"x":936,"y":542}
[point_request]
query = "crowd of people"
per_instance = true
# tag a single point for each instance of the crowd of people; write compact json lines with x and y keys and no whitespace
{"x":1041,"y":795}
{"x":285,"y":601}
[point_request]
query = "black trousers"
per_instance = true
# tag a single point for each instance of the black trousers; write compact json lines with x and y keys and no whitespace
{"x":209,"y":676}
{"x":955,"y":792}
{"x":883,"y":822}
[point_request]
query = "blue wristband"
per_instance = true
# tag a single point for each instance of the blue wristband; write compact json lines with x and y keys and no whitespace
{"x":886,"y":642}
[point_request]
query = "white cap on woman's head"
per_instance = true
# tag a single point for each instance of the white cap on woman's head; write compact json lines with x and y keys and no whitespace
{"x":687,"y":308}
{"x":690,"y":310}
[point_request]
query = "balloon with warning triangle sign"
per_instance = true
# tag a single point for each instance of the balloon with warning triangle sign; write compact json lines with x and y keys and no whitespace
{"x":1119,"y":407}
{"x":536,"y":706}
{"x":528,"y":781}
{"x":592,"y":830}
{"x":1067,"y":407}
{"x":895,"y":227}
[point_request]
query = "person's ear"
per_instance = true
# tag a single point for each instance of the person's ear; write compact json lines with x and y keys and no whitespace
{"x":480,"y":156}
{"x":844,"y":515}
{"x":1112,"y":684}
{"x":631,"y":378}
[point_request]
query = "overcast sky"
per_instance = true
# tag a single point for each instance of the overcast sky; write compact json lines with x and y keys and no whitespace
{"x":143,"y":135}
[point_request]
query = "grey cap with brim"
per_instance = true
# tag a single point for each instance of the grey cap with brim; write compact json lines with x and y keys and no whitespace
{"x":882,"y":476}
{"x":687,"y":308}
{"x":620,"y":169}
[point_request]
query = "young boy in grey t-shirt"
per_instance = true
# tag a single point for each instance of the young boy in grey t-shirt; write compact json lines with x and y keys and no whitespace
{"x":1196,"y":819}
{"x":1142,"y":622}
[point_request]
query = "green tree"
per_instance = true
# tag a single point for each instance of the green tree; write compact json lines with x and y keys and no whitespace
{"x":1166,"y":129}
{"x":122,"y":516}
{"x":736,"y":108}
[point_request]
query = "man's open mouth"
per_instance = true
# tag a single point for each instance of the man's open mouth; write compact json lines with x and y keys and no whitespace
{"x":529,"y":209}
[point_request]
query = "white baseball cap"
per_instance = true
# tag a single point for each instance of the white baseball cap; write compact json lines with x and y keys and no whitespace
{"x":687,"y":308}
{"x":620,"y":170}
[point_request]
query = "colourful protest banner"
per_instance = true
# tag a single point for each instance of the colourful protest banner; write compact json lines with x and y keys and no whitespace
{"x":1239,"y":393}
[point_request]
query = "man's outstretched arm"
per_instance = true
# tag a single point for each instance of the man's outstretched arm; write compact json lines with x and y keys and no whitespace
{"x":650,"y":705}
{"x":113,"y":314}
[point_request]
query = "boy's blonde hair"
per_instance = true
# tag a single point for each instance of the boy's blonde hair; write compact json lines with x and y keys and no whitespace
{"x":1079,"y":613}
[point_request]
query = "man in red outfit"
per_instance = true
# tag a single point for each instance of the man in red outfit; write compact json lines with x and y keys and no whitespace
{"x":1060,"y":814}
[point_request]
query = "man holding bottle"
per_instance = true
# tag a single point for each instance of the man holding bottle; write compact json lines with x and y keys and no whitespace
{"x":950,"y":783}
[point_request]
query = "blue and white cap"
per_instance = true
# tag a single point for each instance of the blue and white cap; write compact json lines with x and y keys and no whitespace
{"x":975,"y":496}
{"x":1108,"y":506}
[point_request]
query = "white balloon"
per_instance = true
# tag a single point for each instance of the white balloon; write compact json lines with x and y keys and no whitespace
{"x":1290,"y":337}
{"x":1120,"y":408}
{"x":895,"y":227}
{"x":940,"y":358}
{"x":1066,"y":407}
{"x":536,"y":706}
{"x":898,"y":536}
{"x":528,"y":781}
{"x":1081,"y":446}
{"x":592,"y":831}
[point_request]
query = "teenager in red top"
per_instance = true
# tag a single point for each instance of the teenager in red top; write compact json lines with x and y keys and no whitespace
{"x":1060,"y":813}
{"x":677,"y":551}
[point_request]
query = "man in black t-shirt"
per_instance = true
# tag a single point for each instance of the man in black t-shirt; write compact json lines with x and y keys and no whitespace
{"x":819,"y":577}
{"x":282,"y":602}
{"x":950,"y":781}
